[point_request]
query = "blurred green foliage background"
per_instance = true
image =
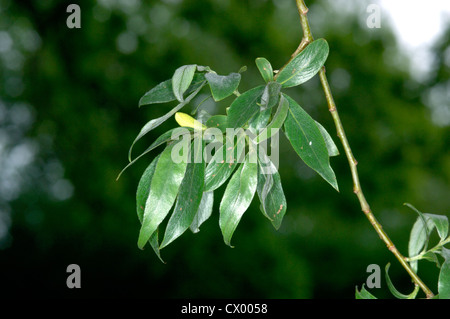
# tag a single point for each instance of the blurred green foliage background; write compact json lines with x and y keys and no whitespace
{"x":68,"y":114}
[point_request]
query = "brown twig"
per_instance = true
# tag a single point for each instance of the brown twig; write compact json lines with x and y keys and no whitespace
{"x":308,"y":38}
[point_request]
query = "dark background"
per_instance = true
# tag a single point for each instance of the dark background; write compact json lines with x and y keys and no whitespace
{"x":68,"y":114}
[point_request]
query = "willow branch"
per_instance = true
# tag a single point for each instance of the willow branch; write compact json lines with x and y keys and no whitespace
{"x":308,"y":38}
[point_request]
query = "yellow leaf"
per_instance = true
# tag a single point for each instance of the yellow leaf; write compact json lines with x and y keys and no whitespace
{"x":186,"y":120}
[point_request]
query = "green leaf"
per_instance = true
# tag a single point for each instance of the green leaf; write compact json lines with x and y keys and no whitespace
{"x":242,"y":69}
{"x":203,"y":68}
{"x":182,"y":79}
{"x":164,"y":188}
{"x":158,"y":121}
{"x":189,"y":196}
{"x":265,"y":68}
{"x":308,"y":142}
{"x":441,"y":223}
{"x":155,"y":244}
{"x":217,"y":121}
{"x":270,"y":96}
{"x":223,"y":163}
{"x":204,"y":211}
{"x":418,"y":239}
{"x":331,"y":147}
{"x":305,"y":65}
{"x":237,"y":198}
{"x":144,"y":188}
{"x":163,"y":92}
{"x":431,"y":256}
{"x":444,"y":275}
{"x":363,"y":294}
{"x":244,"y":107}
{"x":203,"y":114}
{"x":222,"y":86}
{"x":394,"y":291}
{"x":141,"y":198}
{"x":420,"y":234}
{"x":259,"y":121}
{"x":277,"y":121}
{"x":168,"y":136}
{"x":270,"y":191}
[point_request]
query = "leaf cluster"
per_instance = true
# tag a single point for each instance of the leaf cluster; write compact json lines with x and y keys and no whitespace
{"x":187,"y":187}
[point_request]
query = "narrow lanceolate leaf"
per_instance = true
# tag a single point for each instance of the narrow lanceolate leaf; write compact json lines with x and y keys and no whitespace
{"x":363,"y":294}
{"x":164,"y":188}
{"x":222,"y":86}
{"x":144,"y":188}
{"x":270,"y":96}
{"x":307,"y":141}
{"x":141,"y":197}
{"x":418,"y":239}
{"x":245,"y":107}
{"x":223,"y":163}
{"x":170,"y":135}
{"x":331,"y":146}
{"x":163,"y":92}
{"x":158,"y":121}
{"x":441,"y":223}
{"x":154,"y":243}
{"x":305,"y":65}
{"x":259,"y":121}
{"x":189,"y":196}
{"x":204,"y":211}
{"x":237,"y":198}
{"x":265,"y":68}
{"x":420,"y":233}
{"x":277,"y":121}
{"x":217,"y":121}
{"x":270,"y":191}
{"x":444,"y":275}
{"x":182,"y":79}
